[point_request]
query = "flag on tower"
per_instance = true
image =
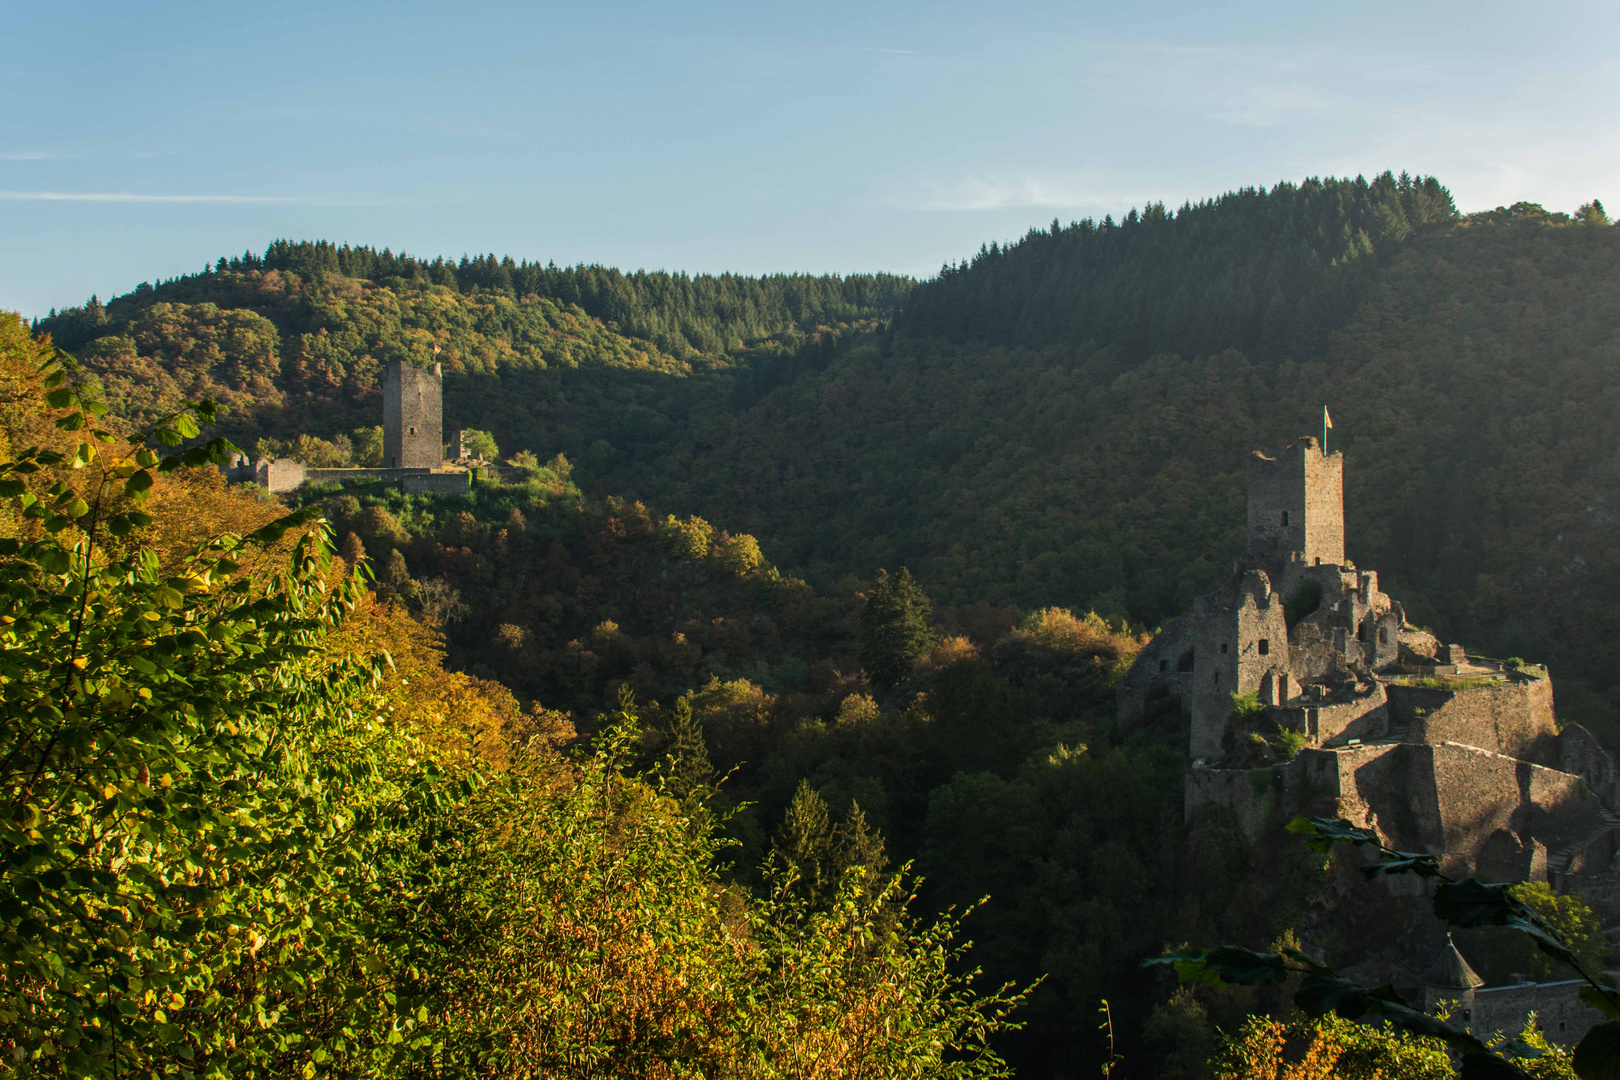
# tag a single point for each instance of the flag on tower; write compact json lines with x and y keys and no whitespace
{"x":1327,"y":421}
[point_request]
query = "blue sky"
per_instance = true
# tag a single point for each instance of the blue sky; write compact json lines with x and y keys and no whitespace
{"x":142,"y":141}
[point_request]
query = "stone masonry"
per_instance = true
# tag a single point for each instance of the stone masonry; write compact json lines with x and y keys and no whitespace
{"x":413,"y":426}
{"x":1436,"y":751}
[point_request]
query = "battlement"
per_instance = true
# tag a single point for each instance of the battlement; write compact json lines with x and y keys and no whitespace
{"x":1296,"y":505}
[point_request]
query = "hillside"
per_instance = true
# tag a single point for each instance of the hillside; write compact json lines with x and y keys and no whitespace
{"x":293,"y":341}
{"x":1062,"y":419}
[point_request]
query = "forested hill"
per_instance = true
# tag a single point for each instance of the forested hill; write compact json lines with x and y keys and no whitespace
{"x":1062,"y":420}
{"x":1268,"y":272}
{"x":681,"y":314}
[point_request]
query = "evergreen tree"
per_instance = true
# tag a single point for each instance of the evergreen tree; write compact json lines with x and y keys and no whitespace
{"x":804,"y":846}
{"x":691,"y":773}
{"x":896,"y":628}
{"x":857,"y":844}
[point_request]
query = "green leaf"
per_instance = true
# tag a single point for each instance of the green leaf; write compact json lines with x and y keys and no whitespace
{"x":137,"y":484}
{"x":1405,"y":862}
{"x":1322,"y":833}
{"x":1226,"y":965}
{"x":1598,"y":1055}
{"x":1472,"y":902}
{"x":1600,"y":1001}
{"x":61,"y":397}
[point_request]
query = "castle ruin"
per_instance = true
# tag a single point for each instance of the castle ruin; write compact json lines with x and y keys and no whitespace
{"x":1357,"y":714}
{"x":413,"y":444}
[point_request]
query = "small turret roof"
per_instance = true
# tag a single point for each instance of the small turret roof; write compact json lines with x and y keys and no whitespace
{"x":1450,"y":971}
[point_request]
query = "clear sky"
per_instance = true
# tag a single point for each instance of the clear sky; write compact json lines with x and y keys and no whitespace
{"x":140,"y":141}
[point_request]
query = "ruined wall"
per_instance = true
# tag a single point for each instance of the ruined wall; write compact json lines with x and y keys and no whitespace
{"x":1240,"y":637}
{"x":344,"y":476}
{"x":1513,"y":718}
{"x":1462,"y":803}
{"x":1335,"y":723}
{"x":282,"y":474}
{"x":1156,"y":665}
{"x":1308,"y":784}
{"x":413,"y":422}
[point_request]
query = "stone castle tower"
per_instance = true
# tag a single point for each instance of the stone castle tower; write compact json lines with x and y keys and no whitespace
{"x":1296,"y":504}
{"x":413,"y":422}
{"x":1241,"y":639}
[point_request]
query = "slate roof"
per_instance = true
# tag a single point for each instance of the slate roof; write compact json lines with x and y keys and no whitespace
{"x":1451,"y":972}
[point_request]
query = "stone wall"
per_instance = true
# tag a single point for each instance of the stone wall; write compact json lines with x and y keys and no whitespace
{"x":1561,"y":1015}
{"x":282,"y":474}
{"x":1580,"y":753}
{"x":344,"y":476}
{"x":1363,"y":717}
{"x":1324,"y":506}
{"x":1238,"y":638}
{"x":1258,"y":798}
{"x":437,"y":483}
{"x":1465,"y":804}
{"x":413,"y":421}
{"x":1296,"y":504}
{"x":1514,"y":717}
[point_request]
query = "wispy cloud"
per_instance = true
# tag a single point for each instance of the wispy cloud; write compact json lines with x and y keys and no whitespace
{"x":28,"y":155}
{"x":136,"y":197}
{"x":1013,"y":192}
{"x":889,"y":52}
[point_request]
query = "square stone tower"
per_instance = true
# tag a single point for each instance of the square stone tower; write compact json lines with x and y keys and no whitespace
{"x":413,"y":421}
{"x":1296,"y":505}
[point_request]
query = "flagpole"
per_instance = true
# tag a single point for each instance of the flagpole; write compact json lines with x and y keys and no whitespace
{"x":1324,"y":431}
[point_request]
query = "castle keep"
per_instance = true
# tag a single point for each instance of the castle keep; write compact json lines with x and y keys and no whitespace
{"x":1357,"y":714}
{"x":413,"y":409}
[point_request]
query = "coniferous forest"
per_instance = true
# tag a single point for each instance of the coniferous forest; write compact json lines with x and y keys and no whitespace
{"x":788,"y":671}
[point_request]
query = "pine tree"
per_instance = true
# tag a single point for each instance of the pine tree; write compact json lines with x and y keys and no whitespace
{"x":691,"y":773}
{"x":858,"y":844}
{"x":896,"y":628}
{"x":804,"y":845}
